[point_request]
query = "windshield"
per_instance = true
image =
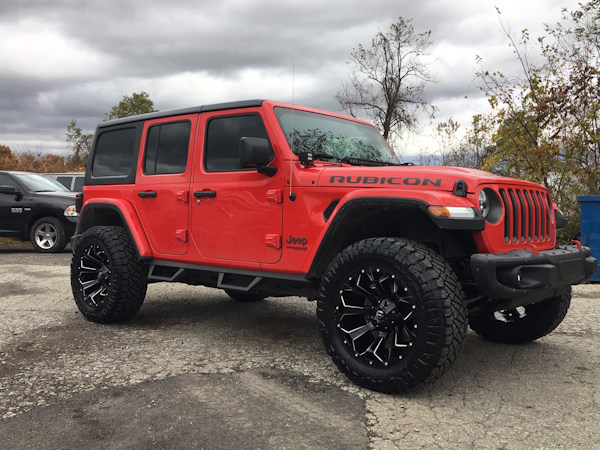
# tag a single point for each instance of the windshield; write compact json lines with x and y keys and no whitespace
{"x":39,"y":183}
{"x":331,"y":136}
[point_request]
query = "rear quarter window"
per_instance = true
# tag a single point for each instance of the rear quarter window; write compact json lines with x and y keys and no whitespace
{"x":114,"y":155}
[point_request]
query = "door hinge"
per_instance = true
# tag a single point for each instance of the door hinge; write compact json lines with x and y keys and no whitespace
{"x":273,"y":240}
{"x":183,"y":196}
{"x":181,"y":235}
{"x":275,"y":195}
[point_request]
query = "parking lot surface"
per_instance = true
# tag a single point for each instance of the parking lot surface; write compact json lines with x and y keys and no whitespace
{"x":195,"y":369}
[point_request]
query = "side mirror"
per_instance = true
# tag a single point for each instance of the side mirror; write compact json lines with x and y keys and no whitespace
{"x":10,"y":190}
{"x":257,"y":152}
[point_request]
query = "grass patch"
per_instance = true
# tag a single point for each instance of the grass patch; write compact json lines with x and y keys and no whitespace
{"x":9,"y":242}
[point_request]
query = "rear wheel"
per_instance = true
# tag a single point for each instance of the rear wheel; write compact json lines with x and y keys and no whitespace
{"x":524,"y":323}
{"x":108,"y":280}
{"x":391,"y":314}
{"x":48,"y":235}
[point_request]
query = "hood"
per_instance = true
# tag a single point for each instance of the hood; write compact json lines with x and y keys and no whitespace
{"x":67,"y":196}
{"x":431,"y":177}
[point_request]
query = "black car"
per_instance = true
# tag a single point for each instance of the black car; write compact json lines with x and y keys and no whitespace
{"x":38,"y":208}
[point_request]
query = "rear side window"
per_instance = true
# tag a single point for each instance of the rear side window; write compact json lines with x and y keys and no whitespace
{"x":78,"y":186}
{"x":65,"y":181}
{"x":167,"y":148}
{"x":223,"y":134}
{"x":113,"y":153}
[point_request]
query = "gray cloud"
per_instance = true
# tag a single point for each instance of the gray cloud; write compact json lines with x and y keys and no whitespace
{"x":66,"y":59}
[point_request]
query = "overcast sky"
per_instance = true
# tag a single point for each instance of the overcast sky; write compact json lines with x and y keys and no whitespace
{"x":75,"y":59}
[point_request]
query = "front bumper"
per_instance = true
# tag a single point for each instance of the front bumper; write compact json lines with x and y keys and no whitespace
{"x":526,"y":277}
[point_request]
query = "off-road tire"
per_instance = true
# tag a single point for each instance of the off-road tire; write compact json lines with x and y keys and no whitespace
{"x":523,"y":324}
{"x":48,"y":235}
{"x":410,"y":302}
{"x":245,"y":297}
{"x":107,"y":278}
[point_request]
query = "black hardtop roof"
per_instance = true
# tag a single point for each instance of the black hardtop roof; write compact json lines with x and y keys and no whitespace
{"x":179,"y":112}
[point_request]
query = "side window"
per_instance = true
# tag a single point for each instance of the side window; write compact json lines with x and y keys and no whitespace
{"x":112,"y":157}
{"x":167,"y":148}
{"x":5,"y":180}
{"x":65,"y":181}
{"x":78,"y":187}
{"x":223,"y":134}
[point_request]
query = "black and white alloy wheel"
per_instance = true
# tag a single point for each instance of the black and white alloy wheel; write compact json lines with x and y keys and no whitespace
{"x":94,"y":276}
{"x":391,"y":313}
{"x":107,"y":278}
{"x":377,"y":315}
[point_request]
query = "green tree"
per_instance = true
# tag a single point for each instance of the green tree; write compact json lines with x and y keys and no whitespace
{"x":573,"y":54}
{"x":521,"y":119}
{"x":80,"y":142}
{"x":388,"y":79}
{"x":137,"y":103}
{"x":546,"y":120}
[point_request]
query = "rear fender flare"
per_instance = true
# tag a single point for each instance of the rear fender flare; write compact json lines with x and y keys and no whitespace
{"x":104,"y":211}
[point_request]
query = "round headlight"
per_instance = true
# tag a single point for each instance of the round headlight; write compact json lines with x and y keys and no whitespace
{"x":490,"y":205}
{"x":484,"y":204}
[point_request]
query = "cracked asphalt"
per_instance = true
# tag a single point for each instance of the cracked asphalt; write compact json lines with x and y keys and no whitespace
{"x":195,"y":369}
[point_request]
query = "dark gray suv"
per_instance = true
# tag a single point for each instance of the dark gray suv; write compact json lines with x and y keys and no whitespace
{"x":38,"y":208}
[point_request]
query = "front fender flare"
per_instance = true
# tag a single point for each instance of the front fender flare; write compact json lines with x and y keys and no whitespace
{"x":343,"y":212}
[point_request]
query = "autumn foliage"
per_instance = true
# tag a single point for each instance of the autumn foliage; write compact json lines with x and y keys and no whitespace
{"x":36,"y":162}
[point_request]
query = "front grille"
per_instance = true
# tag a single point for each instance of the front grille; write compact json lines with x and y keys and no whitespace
{"x":527,"y":215}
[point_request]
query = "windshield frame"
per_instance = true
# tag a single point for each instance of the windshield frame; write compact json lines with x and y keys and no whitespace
{"x":340,"y":138}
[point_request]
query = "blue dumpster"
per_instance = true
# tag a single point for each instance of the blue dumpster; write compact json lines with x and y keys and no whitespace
{"x":590,"y":226}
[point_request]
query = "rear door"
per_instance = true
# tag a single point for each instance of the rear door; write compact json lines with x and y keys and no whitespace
{"x":161,"y":194}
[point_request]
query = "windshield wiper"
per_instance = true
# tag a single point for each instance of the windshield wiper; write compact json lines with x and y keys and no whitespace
{"x":309,"y":157}
{"x":365,"y":162}
{"x":326,"y":156}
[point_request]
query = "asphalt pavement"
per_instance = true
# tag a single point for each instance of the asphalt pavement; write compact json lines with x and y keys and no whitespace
{"x":195,"y":369}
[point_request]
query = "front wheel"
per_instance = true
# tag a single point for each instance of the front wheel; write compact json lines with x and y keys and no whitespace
{"x":48,"y":235}
{"x":391,"y":314}
{"x":524,"y":323}
{"x":107,"y":279}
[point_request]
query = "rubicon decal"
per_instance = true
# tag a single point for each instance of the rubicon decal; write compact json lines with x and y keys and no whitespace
{"x":409,"y":181}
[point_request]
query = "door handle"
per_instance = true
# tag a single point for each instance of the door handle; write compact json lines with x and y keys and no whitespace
{"x":147,"y":194}
{"x":199,"y":194}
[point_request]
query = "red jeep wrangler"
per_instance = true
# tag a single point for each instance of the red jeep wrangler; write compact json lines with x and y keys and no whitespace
{"x":267,"y":199}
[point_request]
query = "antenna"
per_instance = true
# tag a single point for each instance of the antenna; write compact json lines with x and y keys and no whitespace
{"x":292,"y":196}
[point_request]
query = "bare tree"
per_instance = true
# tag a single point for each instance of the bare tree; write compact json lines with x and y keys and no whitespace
{"x":388,"y":79}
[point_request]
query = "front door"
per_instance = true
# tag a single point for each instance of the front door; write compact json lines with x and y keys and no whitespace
{"x":14,"y":215}
{"x":161,"y":195}
{"x":236,"y":212}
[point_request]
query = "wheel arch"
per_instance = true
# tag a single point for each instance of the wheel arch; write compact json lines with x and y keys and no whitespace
{"x":115,"y":214}
{"x":40,"y":215}
{"x":365,"y":218}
